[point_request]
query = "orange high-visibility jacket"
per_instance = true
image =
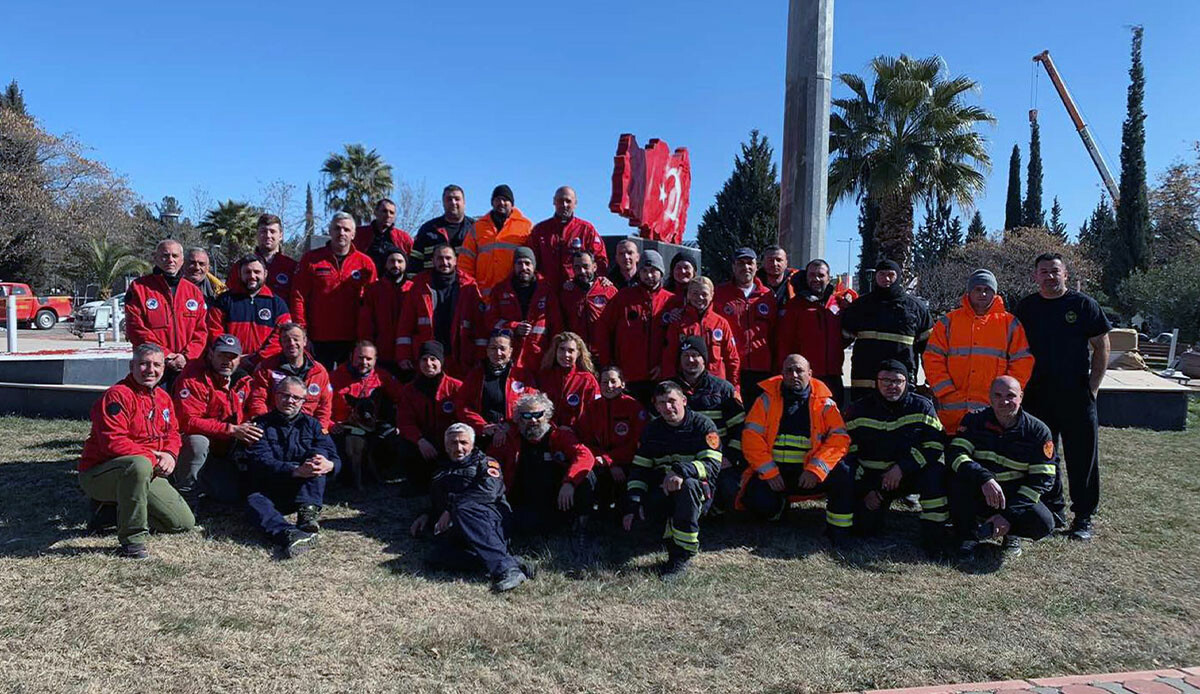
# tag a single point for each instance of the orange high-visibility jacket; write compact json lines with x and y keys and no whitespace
{"x":967,"y":352}
{"x":830,"y":441}
{"x":487,"y":252}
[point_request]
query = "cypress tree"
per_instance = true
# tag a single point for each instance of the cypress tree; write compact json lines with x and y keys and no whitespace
{"x":976,"y":231}
{"x":1130,"y":247}
{"x":310,"y":217}
{"x":1032,"y":213}
{"x":746,"y":210}
{"x":1057,"y":226}
{"x":868,"y":254}
{"x":1012,"y":208}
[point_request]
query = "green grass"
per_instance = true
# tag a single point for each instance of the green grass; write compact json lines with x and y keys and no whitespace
{"x":763,"y":610}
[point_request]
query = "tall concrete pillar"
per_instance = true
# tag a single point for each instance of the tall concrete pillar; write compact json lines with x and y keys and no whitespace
{"x":804,"y":183}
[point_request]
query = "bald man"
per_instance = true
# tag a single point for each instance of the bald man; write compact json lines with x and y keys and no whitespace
{"x":556,"y":240}
{"x":1003,"y":462}
{"x":165,"y":309}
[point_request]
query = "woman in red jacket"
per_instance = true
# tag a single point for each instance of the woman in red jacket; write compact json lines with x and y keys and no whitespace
{"x":566,"y":376}
{"x":611,"y":428}
{"x":699,"y":319}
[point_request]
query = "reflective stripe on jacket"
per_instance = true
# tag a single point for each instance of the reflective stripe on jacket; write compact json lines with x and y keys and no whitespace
{"x":828,"y":436}
{"x":487,"y":252}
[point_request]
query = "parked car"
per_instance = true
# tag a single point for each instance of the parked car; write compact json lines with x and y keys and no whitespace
{"x":96,"y":316}
{"x":41,"y":312}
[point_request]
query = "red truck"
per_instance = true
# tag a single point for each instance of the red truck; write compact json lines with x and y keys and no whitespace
{"x":41,"y":312}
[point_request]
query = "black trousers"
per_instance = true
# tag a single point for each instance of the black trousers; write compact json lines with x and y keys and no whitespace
{"x":535,"y":501}
{"x":1071,"y":415}
{"x":332,"y":353}
{"x":968,"y":507}
{"x":838,"y":487}
{"x":929,"y":482}
{"x":477,"y":538}
{"x":681,"y":510}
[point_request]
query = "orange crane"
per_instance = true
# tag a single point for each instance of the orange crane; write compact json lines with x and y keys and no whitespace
{"x":1084,"y":133}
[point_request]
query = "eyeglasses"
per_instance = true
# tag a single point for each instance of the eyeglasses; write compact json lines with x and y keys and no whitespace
{"x":533,"y":415}
{"x":891,"y":381}
{"x":288,"y":397}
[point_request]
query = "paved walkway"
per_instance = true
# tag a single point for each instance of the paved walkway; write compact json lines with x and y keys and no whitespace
{"x":1181,"y":681}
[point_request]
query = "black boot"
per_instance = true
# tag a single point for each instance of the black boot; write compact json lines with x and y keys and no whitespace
{"x":308,"y":518}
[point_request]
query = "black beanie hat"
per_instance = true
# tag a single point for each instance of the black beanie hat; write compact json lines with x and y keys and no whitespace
{"x":432,"y":348}
{"x":886,"y":264}
{"x":503,"y":191}
{"x":894,"y":366}
{"x":696,"y":344}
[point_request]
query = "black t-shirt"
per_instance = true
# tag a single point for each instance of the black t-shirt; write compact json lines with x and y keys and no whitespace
{"x":1058,"y":331}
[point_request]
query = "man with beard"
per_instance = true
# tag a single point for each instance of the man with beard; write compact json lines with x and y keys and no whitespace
{"x":197,"y":269}
{"x":811,"y":325}
{"x":631,"y":328}
{"x":292,"y":360}
{"x":329,"y":289}
{"x":443,"y":304}
{"x":555,"y":241}
{"x":381,"y":235}
{"x":584,"y":299}
{"x":424,"y":411}
{"x":166,"y":309}
{"x":210,"y":401}
{"x":751,"y":310}
{"x":450,"y":228}
{"x":887,"y":323}
{"x":487,"y":253}
{"x":527,"y":306}
{"x":280,"y":269}
{"x":776,"y":275}
{"x":380,"y":311}
{"x":252,"y":313}
{"x":472,"y":514}
{"x":360,"y":440}
{"x":624,"y":271}
{"x":547,"y":471}
{"x":896,"y":449}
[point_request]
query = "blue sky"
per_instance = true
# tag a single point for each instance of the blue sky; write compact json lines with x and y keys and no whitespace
{"x":229,"y":96}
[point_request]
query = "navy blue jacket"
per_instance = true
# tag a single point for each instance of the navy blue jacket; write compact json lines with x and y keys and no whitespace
{"x":286,"y":444}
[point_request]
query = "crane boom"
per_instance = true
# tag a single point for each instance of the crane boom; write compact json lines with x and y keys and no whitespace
{"x":1084,"y":133}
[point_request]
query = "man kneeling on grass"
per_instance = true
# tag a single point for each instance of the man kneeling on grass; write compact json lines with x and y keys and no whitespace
{"x":287,"y":469}
{"x":1003,"y":461}
{"x":472,"y":514}
{"x":131,"y":451}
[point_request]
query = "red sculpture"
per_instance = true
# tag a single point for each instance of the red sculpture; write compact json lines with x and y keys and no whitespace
{"x":651,"y":187}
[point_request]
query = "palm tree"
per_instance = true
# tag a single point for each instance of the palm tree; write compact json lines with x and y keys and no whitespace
{"x":105,"y":262}
{"x":232,"y":226}
{"x":908,"y":137}
{"x":355,"y":181}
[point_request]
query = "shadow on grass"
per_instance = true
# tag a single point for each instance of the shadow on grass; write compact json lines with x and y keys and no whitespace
{"x":41,"y":505}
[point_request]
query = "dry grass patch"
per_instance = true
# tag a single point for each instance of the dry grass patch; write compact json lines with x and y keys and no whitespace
{"x":763,"y":610}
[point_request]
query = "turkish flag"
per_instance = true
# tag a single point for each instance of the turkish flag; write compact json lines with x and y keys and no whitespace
{"x":652,"y":188}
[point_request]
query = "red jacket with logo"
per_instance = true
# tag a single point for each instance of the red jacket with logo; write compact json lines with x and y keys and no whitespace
{"x":752,"y":320}
{"x":572,"y":393}
{"x":346,"y":382}
{"x":418,"y":417}
{"x":175,"y":322}
{"x":281,"y":275}
{"x":723,"y":360}
{"x":130,"y":420}
{"x":328,"y":294}
{"x":318,"y":394}
{"x":544,"y":315}
{"x":631,"y":331}
{"x":365,"y":235}
{"x":206,"y":406}
{"x":612,"y":429}
{"x":415,"y":326}
{"x":253,"y":320}
{"x":582,"y":309}
{"x":469,"y":401}
{"x":380,"y":313}
{"x":554,"y":245}
{"x":814,"y":329}
{"x":565,"y":449}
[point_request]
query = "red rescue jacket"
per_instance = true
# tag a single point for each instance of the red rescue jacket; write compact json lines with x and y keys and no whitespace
{"x":206,"y":406}
{"x":612,"y":429}
{"x":814,"y":329}
{"x":175,"y":322}
{"x":418,"y":417}
{"x":416,"y":324}
{"x":752,"y":321}
{"x":318,"y":394}
{"x":365,"y":236}
{"x":469,"y":401}
{"x":582,"y":309}
{"x":572,"y":393}
{"x":379,"y":315}
{"x":565,"y":449}
{"x":346,"y":382}
{"x":544,"y":315}
{"x":554,"y":245}
{"x":723,"y":360}
{"x":130,"y":420}
{"x":328,"y":293}
{"x":281,"y":275}
{"x":632,"y":331}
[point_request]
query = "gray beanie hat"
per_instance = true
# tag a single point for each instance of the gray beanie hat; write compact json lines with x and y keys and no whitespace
{"x":984,"y":277}
{"x":652,"y":258}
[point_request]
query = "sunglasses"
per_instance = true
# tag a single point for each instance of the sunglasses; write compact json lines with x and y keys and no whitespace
{"x":533,"y":415}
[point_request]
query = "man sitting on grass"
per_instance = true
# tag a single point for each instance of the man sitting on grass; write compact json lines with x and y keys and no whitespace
{"x":1003,"y":461}
{"x":472,"y":514}
{"x":131,"y":451}
{"x":287,"y":469}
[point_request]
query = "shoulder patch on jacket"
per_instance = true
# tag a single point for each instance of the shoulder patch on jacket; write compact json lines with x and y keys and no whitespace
{"x":713,"y":440}
{"x":1048,"y":449}
{"x":112,"y":409}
